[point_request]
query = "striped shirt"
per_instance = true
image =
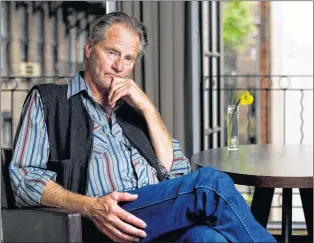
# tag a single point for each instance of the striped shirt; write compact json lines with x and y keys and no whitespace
{"x":114,"y":164}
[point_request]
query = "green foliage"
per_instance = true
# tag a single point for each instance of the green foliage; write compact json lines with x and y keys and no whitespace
{"x":237,"y":24}
{"x":248,"y":198}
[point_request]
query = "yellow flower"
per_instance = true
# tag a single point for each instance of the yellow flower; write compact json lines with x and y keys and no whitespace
{"x":246,"y":98}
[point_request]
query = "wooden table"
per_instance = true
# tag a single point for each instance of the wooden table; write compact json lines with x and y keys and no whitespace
{"x":268,"y":167}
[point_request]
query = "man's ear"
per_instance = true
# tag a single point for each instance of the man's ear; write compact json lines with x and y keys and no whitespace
{"x":88,"y":48}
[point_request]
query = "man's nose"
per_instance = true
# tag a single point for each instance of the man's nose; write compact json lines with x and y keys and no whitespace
{"x":118,"y":65}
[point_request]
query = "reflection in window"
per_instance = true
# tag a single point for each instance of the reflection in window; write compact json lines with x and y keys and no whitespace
{"x":81,"y":42}
{"x":4,"y":37}
{"x":54,"y":43}
{"x":23,"y":26}
{"x":39,"y":20}
{"x":7,"y":129}
{"x":71,"y":46}
{"x":69,"y":54}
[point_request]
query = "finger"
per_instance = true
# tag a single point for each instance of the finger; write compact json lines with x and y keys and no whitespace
{"x":101,"y":227}
{"x":112,"y":105}
{"x":114,"y":88}
{"x":121,"y":92}
{"x":116,"y":235}
{"x":129,"y":218}
{"x":128,"y":228}
{"x":108,"y":230}
{"x":117,"y":81}
{"x":111,"y":83}
{"x":124,"y":196}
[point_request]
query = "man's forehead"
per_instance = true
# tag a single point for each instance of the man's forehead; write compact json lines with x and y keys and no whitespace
{"x":118,"y":30}
{"x":118,"y":35}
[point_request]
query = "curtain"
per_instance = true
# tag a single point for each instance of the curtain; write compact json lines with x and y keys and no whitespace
{"x":165,"y":72}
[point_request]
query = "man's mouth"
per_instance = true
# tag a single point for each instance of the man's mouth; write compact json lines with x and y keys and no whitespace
{"x":113,"y":75}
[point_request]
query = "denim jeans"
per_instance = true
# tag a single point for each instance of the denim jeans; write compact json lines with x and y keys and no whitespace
{"x":200,"y":233}
{"x":203,"y":201}
{"x":204,"y":197}
{"x":195,"y":233}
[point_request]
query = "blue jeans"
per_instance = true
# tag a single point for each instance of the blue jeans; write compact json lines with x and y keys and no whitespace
{"x":195,"y":233}
{"x":206,"y":197}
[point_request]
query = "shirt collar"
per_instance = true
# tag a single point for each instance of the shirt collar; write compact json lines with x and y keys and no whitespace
{"x":77,"y":85}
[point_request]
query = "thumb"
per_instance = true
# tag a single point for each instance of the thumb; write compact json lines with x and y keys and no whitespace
{"x":123,"y":196}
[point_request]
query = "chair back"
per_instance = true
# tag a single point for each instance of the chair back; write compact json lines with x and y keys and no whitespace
{"x":7,"y":197}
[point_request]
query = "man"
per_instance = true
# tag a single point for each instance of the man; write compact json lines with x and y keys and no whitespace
{"x":98,"y":146}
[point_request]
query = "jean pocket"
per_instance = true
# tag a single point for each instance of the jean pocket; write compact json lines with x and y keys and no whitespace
{"x":63,"y":169}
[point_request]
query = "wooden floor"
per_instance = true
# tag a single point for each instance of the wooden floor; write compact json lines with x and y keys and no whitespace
{"x":297,"y":236}
{"x":294,"y":232}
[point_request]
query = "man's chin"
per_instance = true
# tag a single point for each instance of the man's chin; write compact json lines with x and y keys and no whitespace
{"x":107,"y":81}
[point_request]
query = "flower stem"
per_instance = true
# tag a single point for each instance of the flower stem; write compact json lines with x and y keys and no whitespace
{"x":230,"y":122}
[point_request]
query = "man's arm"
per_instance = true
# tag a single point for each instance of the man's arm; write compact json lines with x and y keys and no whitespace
{"x":159,"y":135}
{"x":28,"y":165}
{"x":181,"y":164}
{"x":161,"y":140}
{"x":34,"y":185}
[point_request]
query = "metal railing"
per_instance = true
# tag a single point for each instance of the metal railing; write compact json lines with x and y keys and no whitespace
{"x":232,"y":84}
{"x":259,"y":86}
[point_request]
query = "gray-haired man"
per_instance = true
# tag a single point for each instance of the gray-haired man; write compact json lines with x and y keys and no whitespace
{"x":99,"y":146}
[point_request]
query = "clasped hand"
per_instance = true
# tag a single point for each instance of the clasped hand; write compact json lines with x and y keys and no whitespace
{"x":129,"y":91}
{"x":113,"y":221}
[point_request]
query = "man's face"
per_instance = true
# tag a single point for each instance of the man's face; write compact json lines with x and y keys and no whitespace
{"x":113,"y":56}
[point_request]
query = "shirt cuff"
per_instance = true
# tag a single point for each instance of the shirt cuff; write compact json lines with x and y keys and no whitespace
{"x":180,"y":164}
{"x":31,"y":187}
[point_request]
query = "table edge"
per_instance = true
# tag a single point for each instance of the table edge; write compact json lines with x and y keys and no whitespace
{"x":271,"y":181}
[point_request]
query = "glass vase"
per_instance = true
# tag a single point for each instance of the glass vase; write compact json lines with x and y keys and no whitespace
{"x":233,"y":127}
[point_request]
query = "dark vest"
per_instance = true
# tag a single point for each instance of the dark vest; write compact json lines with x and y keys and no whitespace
{"x":70,"y":134}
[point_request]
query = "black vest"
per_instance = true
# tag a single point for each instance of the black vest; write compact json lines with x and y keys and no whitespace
{"x":70,"y":134}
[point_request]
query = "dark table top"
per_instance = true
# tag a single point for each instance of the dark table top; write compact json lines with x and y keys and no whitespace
{"x":265,"y":165}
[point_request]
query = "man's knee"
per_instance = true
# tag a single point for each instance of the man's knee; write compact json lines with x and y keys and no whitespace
{"x":201,"y":233}
{"x":210,"y":173}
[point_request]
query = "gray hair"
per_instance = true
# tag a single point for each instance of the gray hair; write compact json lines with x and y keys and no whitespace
{"x":102,"y":24}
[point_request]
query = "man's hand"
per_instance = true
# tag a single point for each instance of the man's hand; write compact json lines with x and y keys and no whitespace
{"x":129,"y":91}
{"x":118,"y":224}
{"x":110,"y":219}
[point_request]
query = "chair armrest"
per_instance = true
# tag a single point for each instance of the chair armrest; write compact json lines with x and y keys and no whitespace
{"x":41,"y":225}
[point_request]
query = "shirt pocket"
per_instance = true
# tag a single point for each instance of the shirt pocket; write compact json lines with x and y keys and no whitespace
{"x":101,"y":143}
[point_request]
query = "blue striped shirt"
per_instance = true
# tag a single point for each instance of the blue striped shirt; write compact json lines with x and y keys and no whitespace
{"x":114,"y":164}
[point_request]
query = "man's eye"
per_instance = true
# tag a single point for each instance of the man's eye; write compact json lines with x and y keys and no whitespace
{"x":112,"y":53}
{"x":129,"y":59}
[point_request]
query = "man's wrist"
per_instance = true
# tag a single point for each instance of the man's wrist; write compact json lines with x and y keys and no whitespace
{"x":148,"y":109}
{"x":86,"y":206}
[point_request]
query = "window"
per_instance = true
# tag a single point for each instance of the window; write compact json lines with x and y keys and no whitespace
{"x":70,"y":45}
{"x":211,"y":98}
{"x":54,"y":34}
{"x":70,"y":42}
{"x":7,"y":129}
{"x":23,"y":31}
{"x":69,"y":52}
{"x":81,"y":43}
{"x":5,"y":10}
{"x":39,"y":20}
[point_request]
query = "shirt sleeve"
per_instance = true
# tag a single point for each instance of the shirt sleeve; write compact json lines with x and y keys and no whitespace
{"x":180,"y":164}
{"x":30,"y":155}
